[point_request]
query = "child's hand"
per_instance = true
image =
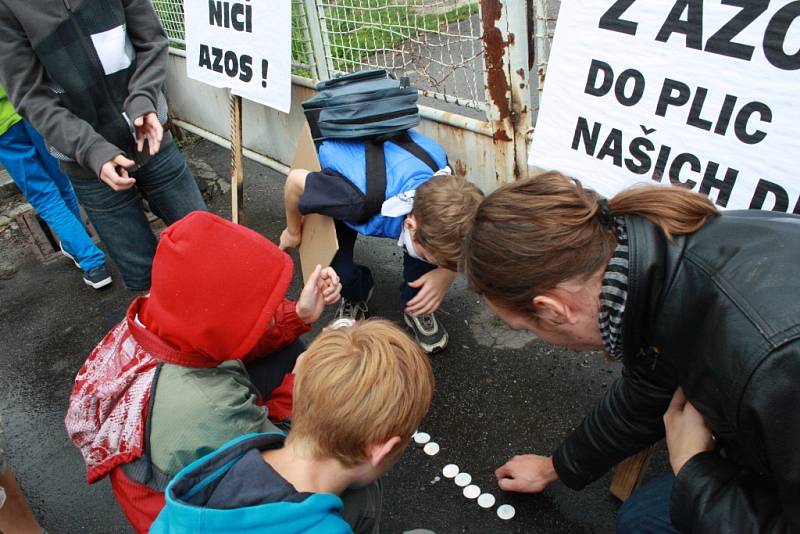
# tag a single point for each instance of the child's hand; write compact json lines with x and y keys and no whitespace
{"x":322,"y":288}
{"x":434,"y":285}
{"x":289,"y":239}
{"x":329,"y":284}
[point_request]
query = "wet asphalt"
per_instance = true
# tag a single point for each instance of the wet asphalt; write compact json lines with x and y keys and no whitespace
{"x":499,"y":393}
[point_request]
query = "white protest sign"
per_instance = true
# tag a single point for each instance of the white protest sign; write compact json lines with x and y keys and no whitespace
{"x":697,"y":93}
{"x":244,"y":45}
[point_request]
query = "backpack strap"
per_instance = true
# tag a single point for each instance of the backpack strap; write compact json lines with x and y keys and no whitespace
{"x":404,"y":141}
{"x":376,"y":169}
{"x":375,"y":179}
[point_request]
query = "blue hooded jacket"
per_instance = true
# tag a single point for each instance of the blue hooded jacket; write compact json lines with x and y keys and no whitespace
{"x":404,"y":172}
{"x":193,"y":486}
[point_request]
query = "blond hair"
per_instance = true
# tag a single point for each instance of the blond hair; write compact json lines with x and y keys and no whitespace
{"x":360,"y":385}
{"x":444,"y":208}
{"x":529,"y":236}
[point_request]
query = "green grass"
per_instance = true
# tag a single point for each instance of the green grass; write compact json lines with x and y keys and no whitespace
{"x":355,"y":34}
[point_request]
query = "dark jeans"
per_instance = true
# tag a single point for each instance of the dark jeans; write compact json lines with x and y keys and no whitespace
{"x":647,"y":510}
{"x":119,"y":219}
{"x":357,"y":279}
{"x":267,"y":373}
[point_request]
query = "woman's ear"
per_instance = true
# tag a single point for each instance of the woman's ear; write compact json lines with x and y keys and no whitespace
{"x":410,"y":222}
{"x":551,"y":308}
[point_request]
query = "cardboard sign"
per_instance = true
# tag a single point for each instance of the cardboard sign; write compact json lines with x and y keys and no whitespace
{"x":243,"y":45}
{"x":693,"y":93}
{"x":319,"y":244}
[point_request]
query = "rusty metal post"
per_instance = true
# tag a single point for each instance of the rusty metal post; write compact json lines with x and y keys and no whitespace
{"x":541,"y":41}
{"x":237,"y":163}
{"x":506,"y":79}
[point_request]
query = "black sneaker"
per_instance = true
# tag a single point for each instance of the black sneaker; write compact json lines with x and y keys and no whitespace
{"x":67,"y":254}
{"x":97,"y":277}
{"x":430,"y":333}
{"x":355,"y":311}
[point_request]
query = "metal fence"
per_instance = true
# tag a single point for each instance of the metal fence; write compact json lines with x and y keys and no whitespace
{"x":436,"y":43}
{"x":483,"y":62}
{"x":543,"y":16}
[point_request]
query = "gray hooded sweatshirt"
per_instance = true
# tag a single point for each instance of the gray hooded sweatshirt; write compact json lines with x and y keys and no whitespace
{"x":80,"y":71}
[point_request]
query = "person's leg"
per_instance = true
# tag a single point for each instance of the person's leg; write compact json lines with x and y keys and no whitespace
{"x":54,"y":170}
{"x":119,"y":219}
{"x":413,"y":268}
{"x":356,"y":279}
{"x":363,"y":508}
{"x":19,"y":154}
{"x":266,"y":373}
{"x":647,"y":510}
{"x":169,"y":185}
{"x":430,"y":333}
{"x":15,"y":514}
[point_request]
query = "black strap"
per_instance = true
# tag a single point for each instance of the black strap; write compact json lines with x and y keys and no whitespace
{"x":404,"y":141}
{"x":376,"y":169}
{"x":375,"y":180}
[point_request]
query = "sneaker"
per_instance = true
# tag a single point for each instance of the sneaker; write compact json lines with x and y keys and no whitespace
{"x":430,"y":334}
{"x":97,"y":277}
{"x":354,"y":311}
{"x":67,"y":254}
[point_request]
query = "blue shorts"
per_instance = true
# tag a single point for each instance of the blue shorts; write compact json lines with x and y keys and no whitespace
{"x":329,"y":193}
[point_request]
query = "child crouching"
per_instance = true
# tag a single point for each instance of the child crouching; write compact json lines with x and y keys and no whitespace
{"x":360,"y":392}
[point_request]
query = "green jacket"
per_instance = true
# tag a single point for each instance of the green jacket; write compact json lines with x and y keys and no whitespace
{"x":196,"y":411}
{"x":8,"y":117}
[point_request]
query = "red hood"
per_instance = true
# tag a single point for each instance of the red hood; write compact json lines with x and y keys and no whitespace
{"x":215,"y":288}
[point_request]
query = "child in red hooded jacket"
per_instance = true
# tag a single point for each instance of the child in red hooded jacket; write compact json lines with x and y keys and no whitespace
{"x":205,"y":357}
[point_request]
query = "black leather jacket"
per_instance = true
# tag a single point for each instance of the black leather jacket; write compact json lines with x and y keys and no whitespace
{"x":718,"y":313}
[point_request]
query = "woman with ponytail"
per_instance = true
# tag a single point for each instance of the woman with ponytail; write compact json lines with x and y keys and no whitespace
{"x":703,"y":311}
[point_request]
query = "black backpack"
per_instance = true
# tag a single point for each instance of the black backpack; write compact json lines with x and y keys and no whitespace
{"x":362,"y":105}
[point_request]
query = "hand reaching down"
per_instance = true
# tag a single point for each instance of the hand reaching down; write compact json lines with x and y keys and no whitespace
{"x":529,"y":473}
{"x":433,"y":287}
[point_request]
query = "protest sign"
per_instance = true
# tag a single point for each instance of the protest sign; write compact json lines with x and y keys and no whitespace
{"x":694,"y":93}
{"x":244,"y":45}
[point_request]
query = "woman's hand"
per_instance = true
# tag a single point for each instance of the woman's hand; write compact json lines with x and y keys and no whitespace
{"x":529,"y":473}
{"x":687,"y":431}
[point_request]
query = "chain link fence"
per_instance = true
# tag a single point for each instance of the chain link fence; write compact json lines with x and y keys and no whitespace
{"x":542,"y":20}
{"x":436,"y":43}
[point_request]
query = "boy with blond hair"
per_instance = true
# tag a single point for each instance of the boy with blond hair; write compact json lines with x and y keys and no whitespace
{"x":360,"y":392}
{"x":427,"y":212}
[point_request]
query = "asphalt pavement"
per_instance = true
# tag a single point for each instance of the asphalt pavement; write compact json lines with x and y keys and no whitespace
{"x":499,"y":392}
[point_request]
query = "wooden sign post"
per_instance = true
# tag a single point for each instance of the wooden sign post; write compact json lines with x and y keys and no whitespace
{"x":237,"y":162}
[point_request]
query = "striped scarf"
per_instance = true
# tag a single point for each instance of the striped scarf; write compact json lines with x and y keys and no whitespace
{"x":614,"y":293}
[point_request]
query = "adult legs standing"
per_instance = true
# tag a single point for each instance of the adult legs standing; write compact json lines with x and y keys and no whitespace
{"x":118,"y":216}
